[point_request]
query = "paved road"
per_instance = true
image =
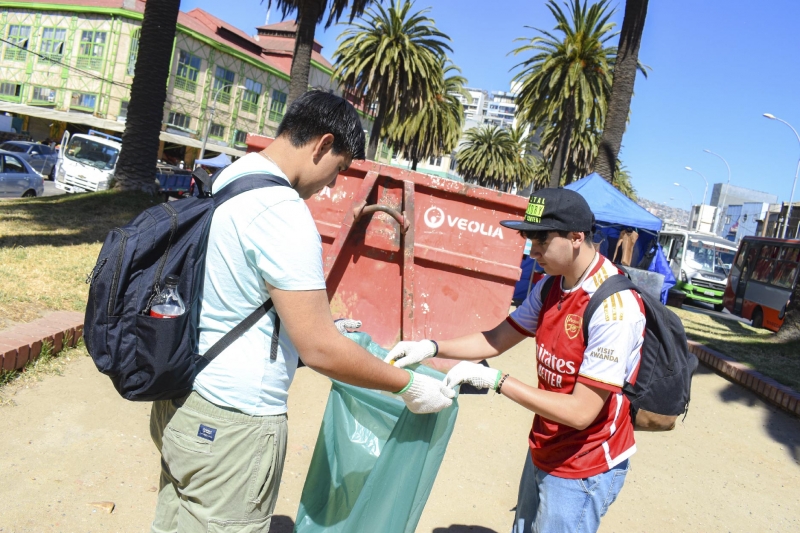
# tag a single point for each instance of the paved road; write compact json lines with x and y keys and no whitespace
{"x":50,"y":189}
{"x":708,"y":309}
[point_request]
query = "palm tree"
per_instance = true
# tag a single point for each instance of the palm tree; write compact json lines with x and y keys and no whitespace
{"x":136,"y":168}
{"x":488,"y":156}
{"x":390,"y":58}
{"x":309,"y":14}
{"x":623,"y":181}
{"x":435,"y":129}
{"x":525,"y":163}
{"x":565,"y":85}
{"x":619,"y":104}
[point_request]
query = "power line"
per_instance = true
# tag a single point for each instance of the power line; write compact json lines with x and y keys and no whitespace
{"x":70,"y":67}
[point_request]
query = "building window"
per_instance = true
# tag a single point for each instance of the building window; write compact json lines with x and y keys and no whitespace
{"x":122,"y":116}
{"x":10,"y":91}
{"x":431,"y":161}
{"x":84,"y":101}
{"x":278,"y":105}
{"x":52,"y":48}
{"x":384,"y":151}
{"x":439,"y":161}
{"x":217,"y":130}
{"x":240,"y":138}
{"x":251,"y":95}
{"x":17,"y":43}
{"x":179,"y":120}
{"x":188,"y":70}
{"x":43,"y":95}
{"x":134,"y":53}
{"x":91,"y":50}
{"x":223,"y":83}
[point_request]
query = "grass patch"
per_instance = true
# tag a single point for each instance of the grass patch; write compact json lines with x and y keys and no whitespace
{"x":756,"y":348}
{"x":49,"y":244}
{"x":47,"y":364}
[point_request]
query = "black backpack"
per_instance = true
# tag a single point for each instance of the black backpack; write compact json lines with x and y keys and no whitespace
{"x":150,"y":358}
{"x":663,"y":384}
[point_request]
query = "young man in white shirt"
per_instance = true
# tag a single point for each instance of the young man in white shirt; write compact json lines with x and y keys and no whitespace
{"x":222,"y":447}
{"x":582,"y":434}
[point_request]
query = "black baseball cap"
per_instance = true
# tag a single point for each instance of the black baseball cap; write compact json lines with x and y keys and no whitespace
{"x":555,"y":210}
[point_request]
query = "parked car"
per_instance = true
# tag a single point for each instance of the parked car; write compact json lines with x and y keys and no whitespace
{"x":17,"y":177}
{"x":40,"y":156}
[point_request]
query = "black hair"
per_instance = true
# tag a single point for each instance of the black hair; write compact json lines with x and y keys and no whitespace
{"x":316,"y":113}
{"x":540,"y":237}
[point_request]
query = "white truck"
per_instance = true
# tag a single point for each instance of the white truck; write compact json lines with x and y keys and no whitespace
{"x":86,"y":162}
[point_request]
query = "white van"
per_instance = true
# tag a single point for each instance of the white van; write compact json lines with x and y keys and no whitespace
{"x":86,"y":163}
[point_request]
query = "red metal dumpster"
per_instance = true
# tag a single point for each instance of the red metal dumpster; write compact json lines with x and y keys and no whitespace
{"x":414,"y":256}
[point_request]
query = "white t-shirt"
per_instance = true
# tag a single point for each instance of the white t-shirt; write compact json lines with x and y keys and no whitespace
{"x":261,"y":235}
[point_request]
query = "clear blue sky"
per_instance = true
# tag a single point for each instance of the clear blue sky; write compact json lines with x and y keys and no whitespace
{"x":717,"y":66}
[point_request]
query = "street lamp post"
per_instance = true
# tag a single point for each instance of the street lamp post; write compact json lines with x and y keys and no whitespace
{"x":691,"y":196}
{"x":791,"y":197}
{"x":211,"y":118}
{"x":724,"y":196}
{"x":705,"y":191}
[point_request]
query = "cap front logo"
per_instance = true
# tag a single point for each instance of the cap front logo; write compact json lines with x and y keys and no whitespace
{"x":572,"y":325}
{"x":535,"y":209}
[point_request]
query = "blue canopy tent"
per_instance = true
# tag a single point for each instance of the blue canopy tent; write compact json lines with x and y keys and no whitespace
{"x":220,"y":161}
{"x":613,"y":212}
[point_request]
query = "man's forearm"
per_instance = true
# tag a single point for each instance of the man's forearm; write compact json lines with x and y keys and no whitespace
{"x":472,"y":347}
{"x":344,"y":360}
{"x":483,"y":345}
{"x":576,"y":410}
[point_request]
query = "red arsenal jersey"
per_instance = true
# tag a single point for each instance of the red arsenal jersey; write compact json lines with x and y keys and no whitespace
{"x":608,"y":359}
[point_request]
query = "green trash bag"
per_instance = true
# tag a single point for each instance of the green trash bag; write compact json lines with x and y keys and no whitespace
{"x":375,"y":461}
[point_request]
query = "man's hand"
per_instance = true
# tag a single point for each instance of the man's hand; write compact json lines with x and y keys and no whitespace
{"x":411,"y":352}
{"x":478,"y":376}
{"x":345,"y":325}
{"x":424,"y":394}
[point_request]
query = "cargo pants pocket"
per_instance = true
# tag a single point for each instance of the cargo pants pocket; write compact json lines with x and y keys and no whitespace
{"x":265,"y":476}
{"x":257,"y":525}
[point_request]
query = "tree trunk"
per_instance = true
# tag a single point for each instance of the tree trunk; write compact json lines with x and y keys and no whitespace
{"x":375,"y":134}
{"x":619,"y":104}
{"x":564,"y":137}
{"x":414,"y":164}
{"x":136,"y":168}
{"x":790,"y":330}
{"x":308,"y":14}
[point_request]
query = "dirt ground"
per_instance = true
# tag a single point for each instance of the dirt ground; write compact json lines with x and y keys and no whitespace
{"x":733,"y":465}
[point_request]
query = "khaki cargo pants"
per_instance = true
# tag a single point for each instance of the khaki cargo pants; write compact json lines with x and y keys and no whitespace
{"x":220,"y":468}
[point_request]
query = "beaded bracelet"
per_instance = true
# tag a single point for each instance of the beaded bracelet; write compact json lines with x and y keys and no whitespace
{"x":500,"y":385}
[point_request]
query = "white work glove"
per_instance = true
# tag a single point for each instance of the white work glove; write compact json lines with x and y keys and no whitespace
{"x":424,"y":394}
{"x":407,"y":353}
{"x":345,"y":325}
{"x":479,"y":376}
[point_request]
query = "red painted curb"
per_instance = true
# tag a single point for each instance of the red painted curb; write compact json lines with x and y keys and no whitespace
{"x":23,"y":343}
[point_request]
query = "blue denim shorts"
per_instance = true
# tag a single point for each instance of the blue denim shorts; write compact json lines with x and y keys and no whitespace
{"x":550,"y":504}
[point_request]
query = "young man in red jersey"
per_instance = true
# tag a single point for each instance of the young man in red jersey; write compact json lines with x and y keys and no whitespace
{"x":582,"y":435}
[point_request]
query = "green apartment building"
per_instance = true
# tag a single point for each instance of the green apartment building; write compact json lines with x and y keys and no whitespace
{"x":69,"y":64}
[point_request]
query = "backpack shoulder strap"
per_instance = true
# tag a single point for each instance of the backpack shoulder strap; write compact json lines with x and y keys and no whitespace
{"x":548,"y":284}
{"x":238,"y":186}
{"x":247,"y":183}
{"x":612,"y":285}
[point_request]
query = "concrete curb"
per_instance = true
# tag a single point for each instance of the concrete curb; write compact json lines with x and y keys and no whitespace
{"x":23,"y":343}
{"x":767,"y":388}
